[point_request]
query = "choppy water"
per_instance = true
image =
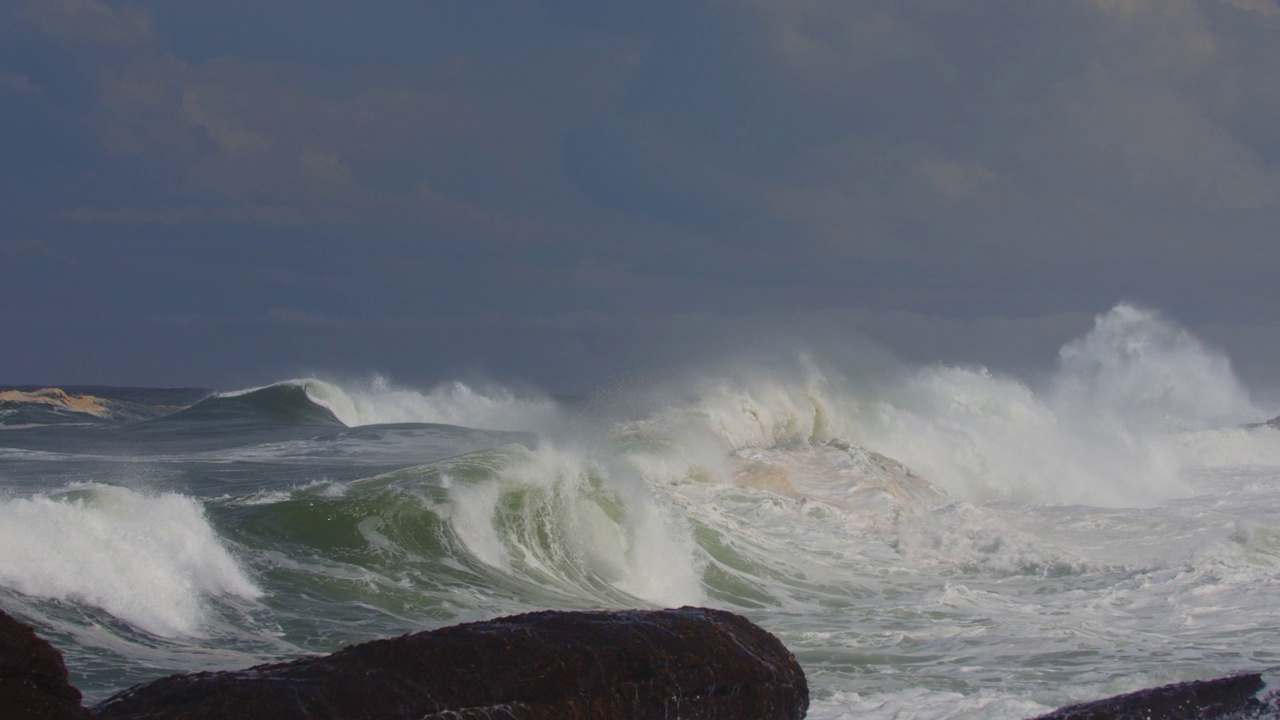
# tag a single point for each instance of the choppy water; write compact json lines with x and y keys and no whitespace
{"x":941,"y":542}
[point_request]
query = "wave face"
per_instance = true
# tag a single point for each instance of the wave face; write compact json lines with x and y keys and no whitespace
{"x":282,"y":404}
{"x":377,"y":401}
{"x":1111,"y":426}
{"x":152,"y":561}
{"x":935,"y":541}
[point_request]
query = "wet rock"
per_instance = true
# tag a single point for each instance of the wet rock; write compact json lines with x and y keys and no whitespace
{"x":689,"y":663}
{"x":1237,"y":697}
{"x":33,"y":679}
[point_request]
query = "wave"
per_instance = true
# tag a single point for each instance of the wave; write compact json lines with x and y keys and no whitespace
{"x":1129,"y":407}
{"x":549,"y":524}
{"x":895,"y":521}
{"x":312,"y":401}
{"x":286,"y":403}
{"x":1105,"y":430}
{"x":152,"y":561}
{"x":614,"y":506}
{"x":578,"y":521}
{"x":377,"y":401}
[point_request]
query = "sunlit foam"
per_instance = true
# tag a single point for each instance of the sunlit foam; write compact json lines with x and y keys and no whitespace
{"x":378,"y":401}
{"x":1102,"y":433}
{"x":149,"y":560}
{"x":1109,"y":428}
{"x":569,"y":520}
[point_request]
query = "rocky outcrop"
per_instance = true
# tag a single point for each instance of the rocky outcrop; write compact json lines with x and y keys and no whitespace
{"x":79,"y":405}
{"x":57,"y":398}
{"x":1237,"y":697}
{"x":33,"y":680}
{"x":689,"y":663}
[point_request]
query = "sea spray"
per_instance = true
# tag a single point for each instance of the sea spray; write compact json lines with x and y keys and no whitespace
{"x":785,"y":404}
{"x":565,"y":519}
{"x":149,"y":560}
{"x":908,"y":532}
{"x":1102,"y":432}
{"x":983,"y":437}
{"x":379,"y":401}
{"x":1138,"y":369}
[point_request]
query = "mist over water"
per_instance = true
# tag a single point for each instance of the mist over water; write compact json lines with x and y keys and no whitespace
{"x":1103,"y":430}
{"x":930,"y":540}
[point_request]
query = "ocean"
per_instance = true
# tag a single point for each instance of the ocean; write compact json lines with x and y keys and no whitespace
{"x":931,"y":541}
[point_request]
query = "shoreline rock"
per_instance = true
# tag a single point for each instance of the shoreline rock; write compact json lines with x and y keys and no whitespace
{"x":33,"y":679}
{"x":1237,"y":697}
{"x":688,"y":663}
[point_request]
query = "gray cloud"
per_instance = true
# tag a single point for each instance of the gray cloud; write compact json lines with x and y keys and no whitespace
{"x":587,"y":184}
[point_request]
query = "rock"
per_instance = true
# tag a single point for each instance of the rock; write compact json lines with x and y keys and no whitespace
{"x":33,"y":679}
{"x":1237,"y":697}
{"x":688,"y":663}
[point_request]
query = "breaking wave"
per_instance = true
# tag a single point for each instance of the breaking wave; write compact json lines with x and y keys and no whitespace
{"x":152,"y":561}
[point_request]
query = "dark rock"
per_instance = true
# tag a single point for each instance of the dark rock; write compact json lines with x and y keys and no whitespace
{"x":1234,"y":697}
{"x":33,"y":679}
{"x":688,"y":663}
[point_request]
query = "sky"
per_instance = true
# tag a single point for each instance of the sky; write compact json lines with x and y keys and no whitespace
{"x":570,"y":193}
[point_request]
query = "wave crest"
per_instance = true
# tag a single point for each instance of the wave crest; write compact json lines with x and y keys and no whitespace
{"x":151,"y":561}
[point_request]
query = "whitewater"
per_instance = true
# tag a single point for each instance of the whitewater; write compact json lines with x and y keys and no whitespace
{"x":931,"y":542}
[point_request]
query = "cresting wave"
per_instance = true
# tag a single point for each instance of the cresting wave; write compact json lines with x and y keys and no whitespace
{"x":1129,"y":406}
{"x":378,"y":402}
{"x":1113,"y":426}
{"x":152,"y":561}
{"x":784,"y":489}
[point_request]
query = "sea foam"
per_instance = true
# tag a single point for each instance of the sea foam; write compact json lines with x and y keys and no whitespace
{"x":566,"y":519}
{"x":378,"y":401}
{"x":149,"y":560}
{"x":1104,"y":430}
{"x":1114,"y":425}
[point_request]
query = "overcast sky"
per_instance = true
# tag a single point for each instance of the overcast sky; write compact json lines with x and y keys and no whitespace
{"x":229,"y":193}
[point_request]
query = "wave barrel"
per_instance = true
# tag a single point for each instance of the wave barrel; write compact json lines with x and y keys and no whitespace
{"x":688,"y":663}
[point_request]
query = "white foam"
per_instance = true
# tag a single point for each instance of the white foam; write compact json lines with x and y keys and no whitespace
{"x":565,"y":518}
{"x":1103,"y":432}
{"x":759,"y":408}
{"x":923,"y":705}
{"x":148,"y":560}
{"x":1108,"y":429}
{"x":1136,"y":368}
{"x":378,"y":401}
{"x":1230,"y":447}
